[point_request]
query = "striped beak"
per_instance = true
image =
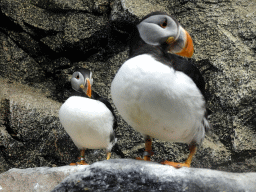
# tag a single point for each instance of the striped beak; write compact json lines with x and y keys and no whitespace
{"x":89,"y":90}
{"x":188,"y":49}
{"x":182,"y":46}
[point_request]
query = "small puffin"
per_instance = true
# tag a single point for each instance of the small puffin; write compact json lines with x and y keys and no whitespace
{"x":158,"y":91}
{"x":88,"y":118}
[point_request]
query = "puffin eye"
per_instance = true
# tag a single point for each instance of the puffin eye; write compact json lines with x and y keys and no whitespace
{"x":77,"y":77}
{"x":164,"y":24}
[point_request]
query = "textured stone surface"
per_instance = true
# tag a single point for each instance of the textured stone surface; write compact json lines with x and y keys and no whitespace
{"x":133,"y":175}
{"x":35,"y":179}
{"x":31,"y":135}
{"x":124,"y":175}
{"x":41,"y":42}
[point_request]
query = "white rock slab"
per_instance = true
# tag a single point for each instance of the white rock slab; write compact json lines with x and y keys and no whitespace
{"x":135,"y":175}
{"x":35,"y":179}
{"x":124,"y":175}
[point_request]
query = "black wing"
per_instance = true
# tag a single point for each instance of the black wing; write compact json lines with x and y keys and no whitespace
{"x":115,"y":148}
{"x":188,"y":67}
{"x":108,"y":105}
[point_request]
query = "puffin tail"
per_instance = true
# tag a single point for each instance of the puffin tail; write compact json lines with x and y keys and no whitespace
{"x":206,"y":124}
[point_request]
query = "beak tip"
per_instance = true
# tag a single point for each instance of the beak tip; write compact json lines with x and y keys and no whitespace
{"x":89,"y":91}
{"x":188,"y":50}
{"x":190,"y":46}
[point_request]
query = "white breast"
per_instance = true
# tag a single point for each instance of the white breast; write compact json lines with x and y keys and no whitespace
{"x":158,"y":101}
{"x":88,"y":122}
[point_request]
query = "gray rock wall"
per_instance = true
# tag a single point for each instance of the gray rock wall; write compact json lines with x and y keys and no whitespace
{"x":41,"y":42}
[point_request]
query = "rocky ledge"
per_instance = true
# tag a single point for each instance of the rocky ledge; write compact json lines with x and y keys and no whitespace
{"x":125,"y":175}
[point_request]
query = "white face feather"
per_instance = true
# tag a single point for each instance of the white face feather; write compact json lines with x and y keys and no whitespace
{"x":78,"y":79}
{"x":155,"y":30}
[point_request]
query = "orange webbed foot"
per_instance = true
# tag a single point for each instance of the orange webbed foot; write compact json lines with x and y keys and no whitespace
{"x":176,"y":165}
{"x":78,"y":163}
{"x":81,"y":162}
{"x":146,"y":158}
{"x":187,"y":163}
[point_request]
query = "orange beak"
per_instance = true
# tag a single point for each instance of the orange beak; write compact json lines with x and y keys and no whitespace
{"x":89,"y":90}
{"x":188,"y":49}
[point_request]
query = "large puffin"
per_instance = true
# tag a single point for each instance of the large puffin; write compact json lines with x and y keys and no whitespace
{"x":88,"y":118}
{"x":158,"y":91}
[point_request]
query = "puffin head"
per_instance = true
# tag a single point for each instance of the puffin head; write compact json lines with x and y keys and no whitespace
{"x":82,"y":81}
{"x":161,"y":29}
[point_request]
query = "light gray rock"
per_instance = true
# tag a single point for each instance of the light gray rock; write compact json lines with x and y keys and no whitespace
{"x":38,"y":179}
{"x":41,"y":42}
{"x":134,"y":175}
{"x":124,"y":175}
